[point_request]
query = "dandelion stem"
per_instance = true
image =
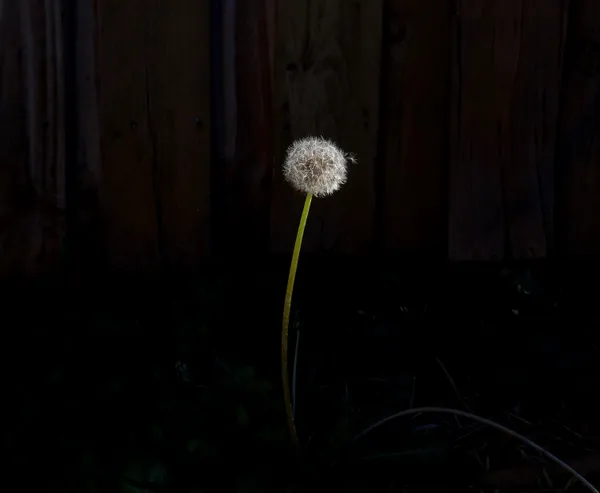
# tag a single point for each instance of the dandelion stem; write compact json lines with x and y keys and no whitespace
{"x":286,"y":321}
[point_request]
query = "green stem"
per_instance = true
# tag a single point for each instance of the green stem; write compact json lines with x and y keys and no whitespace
{"x":286,"y":321}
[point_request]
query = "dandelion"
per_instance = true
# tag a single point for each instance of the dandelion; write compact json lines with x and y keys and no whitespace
{"x":317,"y":167}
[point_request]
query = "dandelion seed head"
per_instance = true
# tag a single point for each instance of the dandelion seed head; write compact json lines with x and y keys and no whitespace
{"x":316,"y":165}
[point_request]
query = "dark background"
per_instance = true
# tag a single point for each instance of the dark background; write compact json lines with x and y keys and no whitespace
{"x":173,"y":384}
{"x":146,"y":233}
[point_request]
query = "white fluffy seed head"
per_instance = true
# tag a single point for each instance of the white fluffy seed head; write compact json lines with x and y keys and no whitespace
{"x":316,"y":165}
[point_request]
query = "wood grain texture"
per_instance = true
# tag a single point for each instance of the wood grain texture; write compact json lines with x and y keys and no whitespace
{"x":506,"y":79}
{"x":254,"y":145}
{"x":530,"y":174}
{"x":414,"y":129}
{"x":229,"y":72}
{"x":32,"y":144}
{"x":578,"y":186}
{"x":327,"y":83}
{"x":244,"y":175}
{"x":41,"y":28}
{"x":84,"y":175}
{"x":154,"y":93}
{"x":270,"y":7}
{"x":127,"y":195}
{"x":88,"y":144}
{"x":178,"y":78}
{"x":13,"y":132}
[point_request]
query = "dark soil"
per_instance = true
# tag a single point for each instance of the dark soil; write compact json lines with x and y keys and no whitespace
{"x":173,"y":385}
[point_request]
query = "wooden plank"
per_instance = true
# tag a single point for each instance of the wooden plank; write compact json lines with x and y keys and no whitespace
{"x":254,"y":145}
{"x":270,"y":12}
{"x":178,"y":105}
{"x":13,"y":137}
{"x":224,"y":121}
{"x":41,"y":29}
{"x":484,"y":67}
{"x":529,"y":175}
{"x":128,"y":197}
{"x":578,"y":183}
{"x":244,"y":174}
{"x":13,"y":133}
{"x":327,"y":83}
{"x":85,"y":176}
{"x":505,"y":87}
{"x":228,"y":80}
{"x":33,"y":227}
{"x":415,"y":115}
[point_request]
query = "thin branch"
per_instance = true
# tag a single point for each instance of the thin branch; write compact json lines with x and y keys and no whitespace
{"x":487,"y":422}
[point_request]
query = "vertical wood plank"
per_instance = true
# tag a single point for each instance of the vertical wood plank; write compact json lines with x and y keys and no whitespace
{"x":178,"y":105}
{"x":128,"y":197}
{"x":578,"y":185}
{"x":270,"y":13}
{"x":229,"y":73}
{"x":86,"y":234}
{"x":13,"y":133}
{"x":32,"y":233}
{"x":243,"y":175}
{"x":327,"y":59}
{"x":13,"y":136}
{"x":248,"y":174}
{"x":529,"y":174}
{"x":505,"y":85}
{"x":88,"y":145}
{"x":415,"y":117}
{"x":484,"y":68}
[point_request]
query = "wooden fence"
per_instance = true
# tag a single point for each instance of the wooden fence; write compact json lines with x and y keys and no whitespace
{"x":150,"y":133}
